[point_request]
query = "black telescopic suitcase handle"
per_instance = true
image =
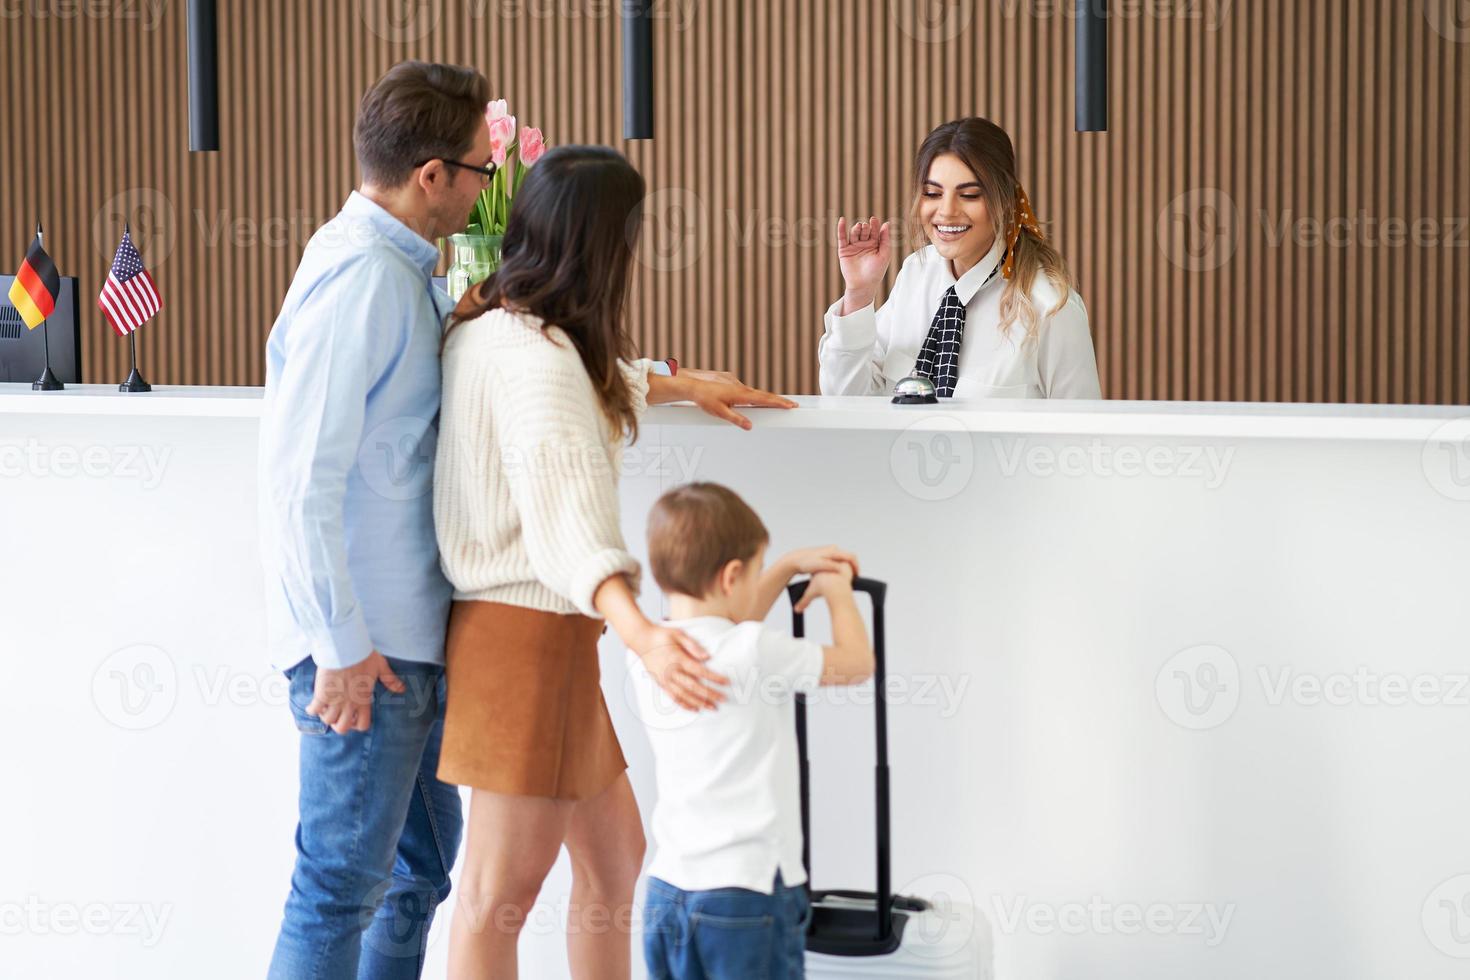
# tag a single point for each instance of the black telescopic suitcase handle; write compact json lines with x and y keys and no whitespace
{"x":876,"y":591}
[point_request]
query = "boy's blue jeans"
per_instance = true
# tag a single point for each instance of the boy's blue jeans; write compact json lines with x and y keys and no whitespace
{"x":378,"y":833}
{"x":725,"y":933}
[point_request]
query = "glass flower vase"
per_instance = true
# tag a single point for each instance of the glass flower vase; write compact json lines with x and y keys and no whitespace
{"x":471,"y":259}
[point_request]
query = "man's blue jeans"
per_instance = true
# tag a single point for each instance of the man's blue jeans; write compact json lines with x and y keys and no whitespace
{"x":725,"y":933}
{"x":378,"y":833}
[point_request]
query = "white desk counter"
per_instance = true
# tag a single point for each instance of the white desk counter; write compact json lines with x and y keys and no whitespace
{"x":1177,"y":690}
{"x":1199,"y":419}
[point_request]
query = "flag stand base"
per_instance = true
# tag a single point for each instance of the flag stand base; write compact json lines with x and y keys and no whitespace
{"x":135,"y":382}
{"x":47,"y":382}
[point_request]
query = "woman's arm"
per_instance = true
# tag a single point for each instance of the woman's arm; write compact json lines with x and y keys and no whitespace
{"x":851,"y":352}
{"x":1064,"y":355}
{"x":671,"y":656}
{"x":555,"y":463}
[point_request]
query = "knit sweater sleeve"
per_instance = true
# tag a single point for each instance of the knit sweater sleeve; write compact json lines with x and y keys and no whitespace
{"x":636,"y":375}
{"x":560,"y":469}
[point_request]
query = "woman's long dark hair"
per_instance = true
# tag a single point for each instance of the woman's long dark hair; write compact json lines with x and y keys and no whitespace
{"x":567,"y":258}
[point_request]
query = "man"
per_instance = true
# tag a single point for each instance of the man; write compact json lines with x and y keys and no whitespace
{"x":356,"y":601}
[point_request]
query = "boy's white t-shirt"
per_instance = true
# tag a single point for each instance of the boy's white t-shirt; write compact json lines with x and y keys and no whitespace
{"x":729,"y":805}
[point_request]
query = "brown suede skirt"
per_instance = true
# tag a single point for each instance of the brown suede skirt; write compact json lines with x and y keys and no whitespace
{"x":525,"y":714}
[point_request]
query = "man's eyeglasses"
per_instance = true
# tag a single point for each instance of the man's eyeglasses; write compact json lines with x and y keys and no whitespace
{"x":486,"y":173}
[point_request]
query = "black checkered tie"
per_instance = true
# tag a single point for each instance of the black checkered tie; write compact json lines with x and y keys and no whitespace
{"x":939,"y":358}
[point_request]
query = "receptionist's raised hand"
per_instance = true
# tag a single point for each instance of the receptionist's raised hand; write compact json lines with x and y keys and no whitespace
{"x":863,"y":253}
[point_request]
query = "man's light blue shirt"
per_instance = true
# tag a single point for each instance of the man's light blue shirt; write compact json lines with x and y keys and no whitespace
{"x":347,"y":445}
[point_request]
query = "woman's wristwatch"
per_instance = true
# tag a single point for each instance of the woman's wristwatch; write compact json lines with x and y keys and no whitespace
{"x":667,"y":367}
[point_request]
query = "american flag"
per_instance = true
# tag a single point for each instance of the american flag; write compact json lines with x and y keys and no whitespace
{"x":129,"y":297}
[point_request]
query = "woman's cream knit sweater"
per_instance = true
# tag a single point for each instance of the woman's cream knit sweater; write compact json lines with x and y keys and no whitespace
{"x":525,"y":479}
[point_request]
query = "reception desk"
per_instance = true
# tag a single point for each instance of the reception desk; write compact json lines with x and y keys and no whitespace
{"x":1176,"y":690}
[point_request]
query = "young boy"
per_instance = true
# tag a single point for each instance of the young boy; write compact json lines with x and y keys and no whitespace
{"x":724,"y":889}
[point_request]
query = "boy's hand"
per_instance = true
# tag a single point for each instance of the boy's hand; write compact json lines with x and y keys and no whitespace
{"x":827,"y":558}
{"x":827,"y":584}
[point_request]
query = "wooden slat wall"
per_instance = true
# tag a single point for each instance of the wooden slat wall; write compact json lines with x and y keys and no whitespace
{"x":1230,"y":119}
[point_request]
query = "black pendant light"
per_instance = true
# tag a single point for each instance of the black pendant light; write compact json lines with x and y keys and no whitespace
{"x":203,"y":76}
{"x":637,"y":69}
{"x":1092,"y":66}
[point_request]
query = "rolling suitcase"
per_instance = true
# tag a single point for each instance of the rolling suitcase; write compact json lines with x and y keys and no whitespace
{"x":878,"y":934}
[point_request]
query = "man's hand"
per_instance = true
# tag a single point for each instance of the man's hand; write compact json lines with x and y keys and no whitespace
{"x":343,"y":699}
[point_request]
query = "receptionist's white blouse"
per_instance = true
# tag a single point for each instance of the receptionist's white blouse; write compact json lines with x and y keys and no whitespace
{"x":866,"y":352}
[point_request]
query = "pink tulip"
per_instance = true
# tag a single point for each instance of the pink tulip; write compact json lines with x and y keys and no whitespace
{"x":502,"y":134}
{"x":533,"y":144}
{"x":503,"y":130}
{"x":496,"y":110}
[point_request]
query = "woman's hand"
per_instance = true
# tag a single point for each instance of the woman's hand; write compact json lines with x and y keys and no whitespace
{"x":698,"y":375}
{"x":672,"y":656}
{"x":862,"y":254}
{"x":676,"y":662}
{"x":719,"y":398}
{"x":717,"y":392}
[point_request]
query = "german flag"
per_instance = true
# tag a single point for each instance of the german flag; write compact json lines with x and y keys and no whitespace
{"x":36,"y":286}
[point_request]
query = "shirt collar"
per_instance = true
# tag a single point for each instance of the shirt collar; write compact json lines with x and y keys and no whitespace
{"x":969,"y":284}
{"x":421,"y":251}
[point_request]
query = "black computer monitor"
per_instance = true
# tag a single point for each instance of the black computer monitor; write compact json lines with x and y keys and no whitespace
{"x":22,"y":351}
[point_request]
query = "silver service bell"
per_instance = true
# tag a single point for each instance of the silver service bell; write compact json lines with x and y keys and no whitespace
{"x":915,"y":390}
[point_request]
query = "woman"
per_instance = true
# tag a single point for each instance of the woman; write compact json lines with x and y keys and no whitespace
{"x":539,"y":396}
{"x":986,"y":310}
